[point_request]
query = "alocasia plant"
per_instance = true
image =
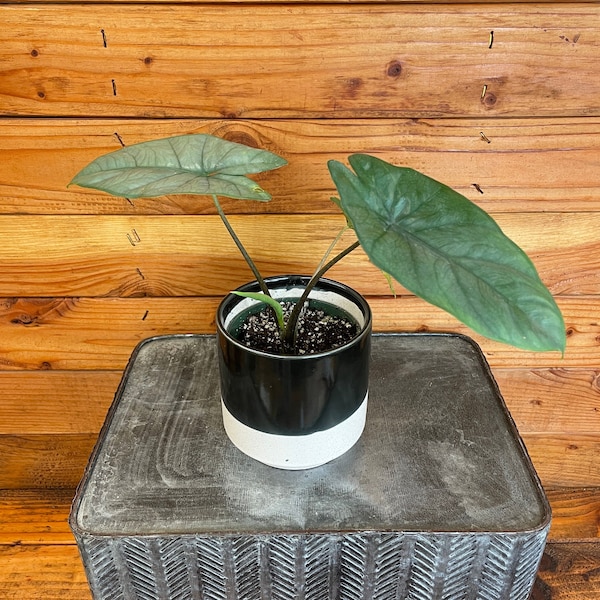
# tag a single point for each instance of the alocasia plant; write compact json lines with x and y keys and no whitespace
{"x":434,"y":241}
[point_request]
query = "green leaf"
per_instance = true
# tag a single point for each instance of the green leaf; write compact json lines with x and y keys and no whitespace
{"x":446,"y":250}
{"x":269,"y":301}
{"x":186,"y":164}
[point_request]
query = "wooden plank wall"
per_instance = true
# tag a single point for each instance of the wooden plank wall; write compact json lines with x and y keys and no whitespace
{"x":500,"y":101}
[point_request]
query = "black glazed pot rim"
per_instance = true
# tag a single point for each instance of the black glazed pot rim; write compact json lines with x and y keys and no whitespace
{"x":299,"y":281}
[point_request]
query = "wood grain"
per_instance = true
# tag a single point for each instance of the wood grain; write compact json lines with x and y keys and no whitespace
{"x":100,"y":333}
{"x":565,"y":460}
{"x":220,"y":2}
{"x":44,"y":461}
{"x":37,"y":402}
{"x":411,"y":61}
{"x":93,"y":333}
{"x":552,"y":401}
{"x":30,"y":517}
{"x":515,"y":127}
{"x":42,"y":573}
{"x":581,"y":327}
{"x":529,"y":165}
{"x":569,"y":572}
{"x":575,"y":513}
{"x":194,"y":256}
{"x":58,"y":460}
{"x":39,"y":516}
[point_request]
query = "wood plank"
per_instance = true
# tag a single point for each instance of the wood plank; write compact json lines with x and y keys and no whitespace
{"x":220,"y":2}
{"x":44,"y":461}
{"x":554,"y":400}
{"x":93,"y":334}
{"x":413,"y":315}
{"x":528,"y":165}
{"x":37,"y":402}
{"x":100,"y":333}
{"x":31,"y":517}
{"x":409,"y":61}
{"x":42,"y":573}
{"x":194,"y":255}
{"x":569,"y":571}
{"x":565,"y":460}
{"x":58,"y":460}
{"x":575,"y":513}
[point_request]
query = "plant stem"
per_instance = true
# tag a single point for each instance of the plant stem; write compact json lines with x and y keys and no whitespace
{"x":238,"y":243}
{"x":333,"y":244}
{"x":290,"y":330}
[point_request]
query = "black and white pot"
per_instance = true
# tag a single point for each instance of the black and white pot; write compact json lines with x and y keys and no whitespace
{"x":294,"y":412}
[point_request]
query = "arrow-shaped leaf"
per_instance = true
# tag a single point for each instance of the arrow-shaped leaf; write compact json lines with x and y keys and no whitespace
{"x":446,"y":250}
{"x":186,"y":164}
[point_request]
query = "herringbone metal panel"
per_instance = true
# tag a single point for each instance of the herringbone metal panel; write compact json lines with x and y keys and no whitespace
{"x":462,"y":567}
{"x":529,"y":556}
{"x":101,"y":566}
{"x":356,"y":566}
{"x":179,"y":579}
{"x":213,"y":565}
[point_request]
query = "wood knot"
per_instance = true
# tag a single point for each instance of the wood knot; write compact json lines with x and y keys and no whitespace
{"x":489,"y":99}
{"x":241,"y":137}
{"x":24,"y":319}
{"x":353,"y":83}
{"x":352,"y":86}
{"x":231,"y":114}
{"x":394,"y":69}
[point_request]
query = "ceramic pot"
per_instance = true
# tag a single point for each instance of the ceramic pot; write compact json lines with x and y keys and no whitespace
{"x":294,"y":412}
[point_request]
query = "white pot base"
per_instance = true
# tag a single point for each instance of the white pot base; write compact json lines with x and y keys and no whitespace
{"x":295,"y":452}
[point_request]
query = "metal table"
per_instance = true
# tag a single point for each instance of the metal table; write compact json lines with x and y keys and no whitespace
{"x":437,"y":500}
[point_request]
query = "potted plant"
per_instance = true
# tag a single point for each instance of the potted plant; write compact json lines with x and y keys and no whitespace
{"x":290,"y":403}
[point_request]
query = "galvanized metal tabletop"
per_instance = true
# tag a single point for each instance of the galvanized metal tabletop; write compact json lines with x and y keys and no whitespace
{"x":440,"y":463}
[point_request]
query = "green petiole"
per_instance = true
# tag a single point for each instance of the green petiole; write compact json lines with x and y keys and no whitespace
{"x":270,"y":302}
